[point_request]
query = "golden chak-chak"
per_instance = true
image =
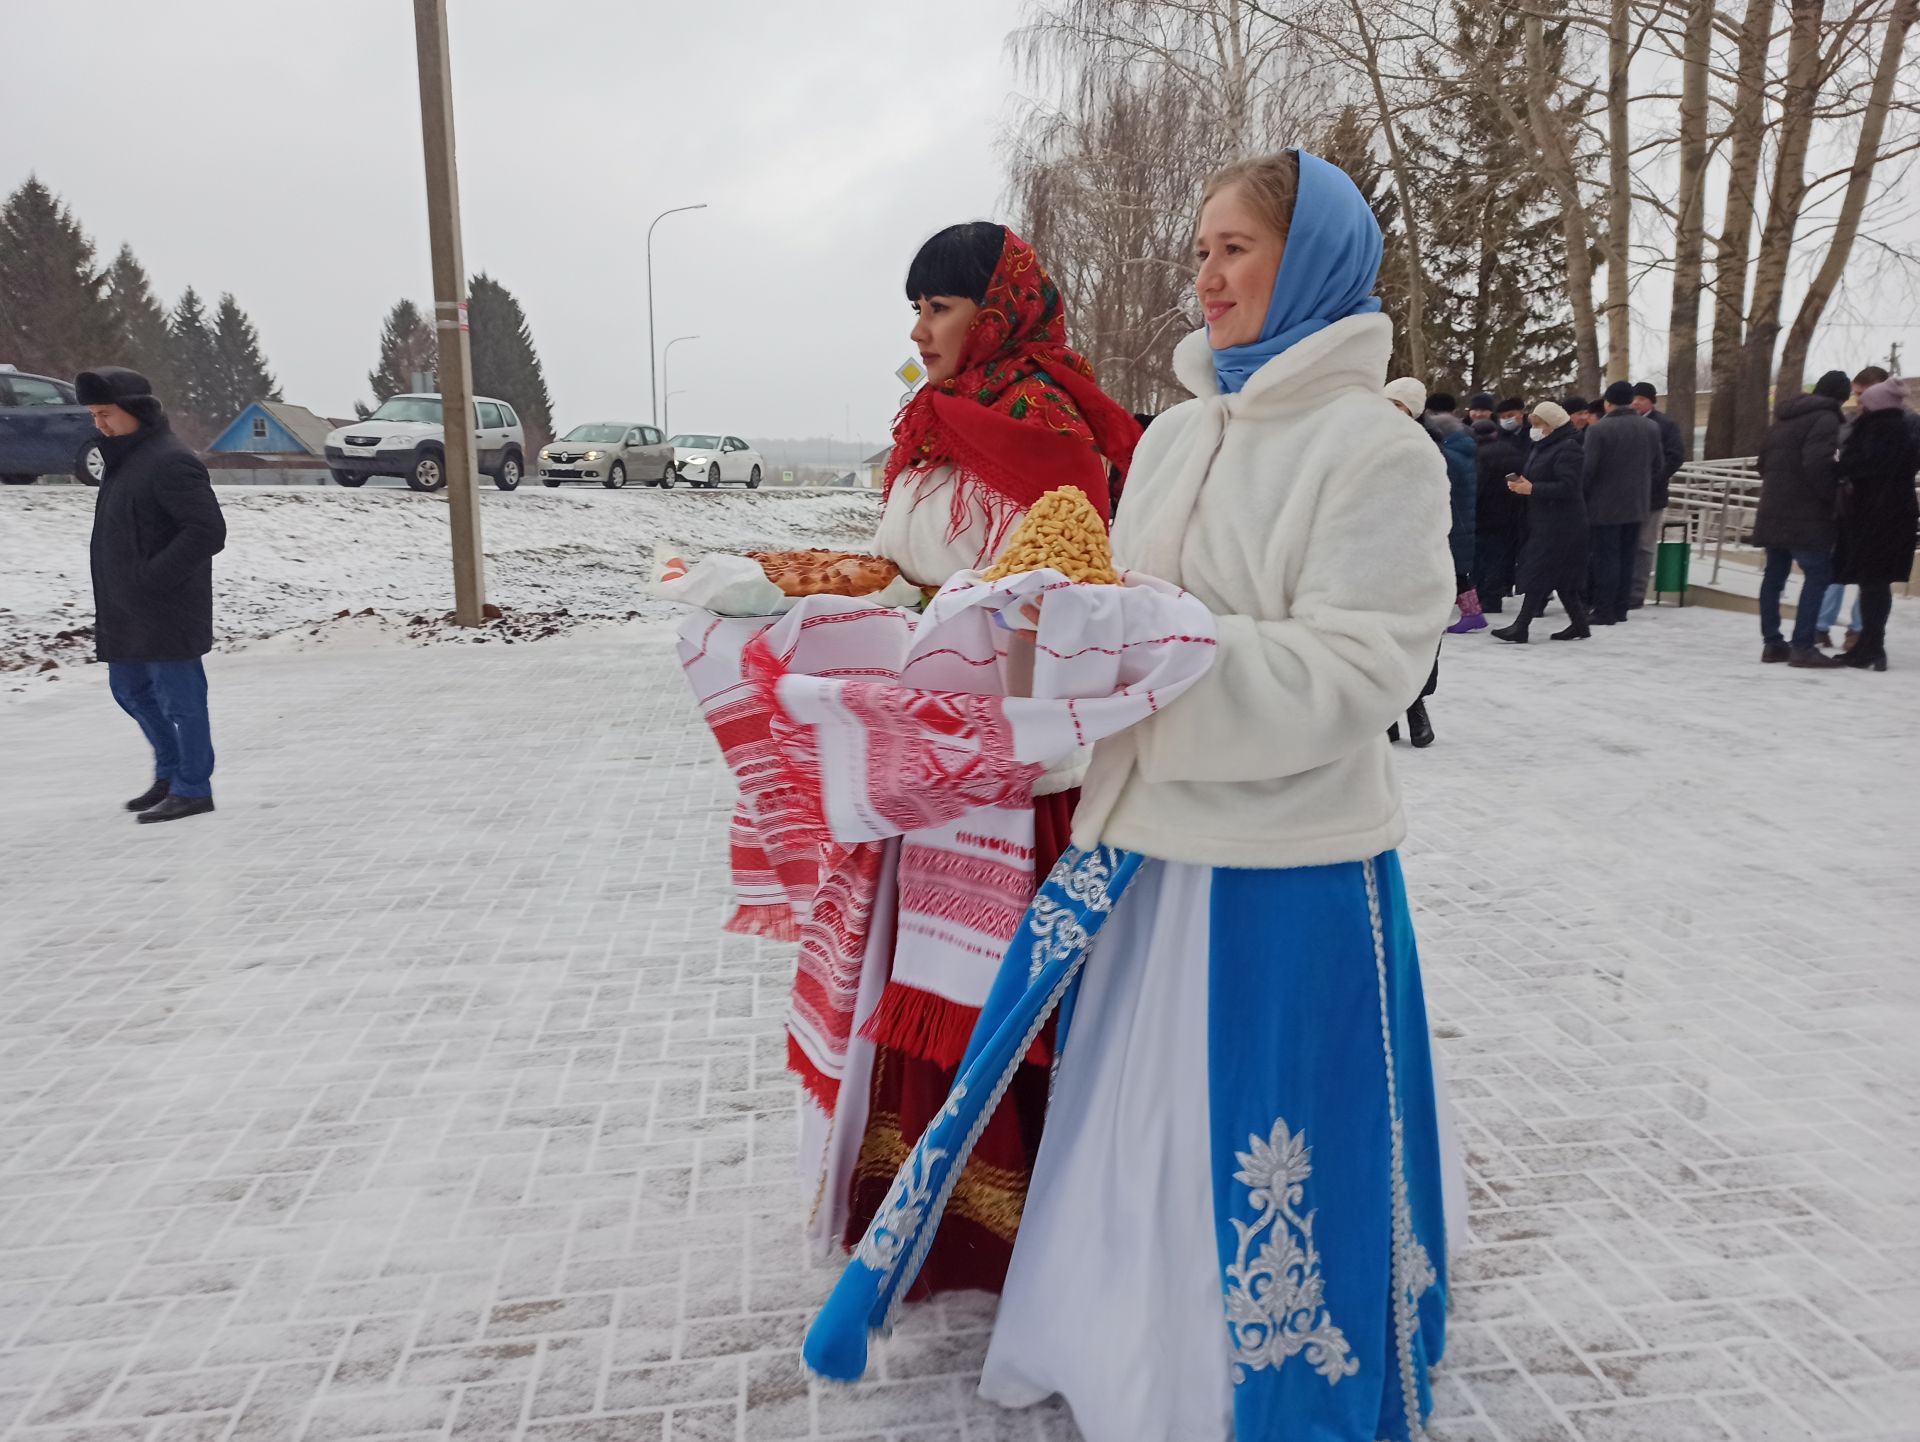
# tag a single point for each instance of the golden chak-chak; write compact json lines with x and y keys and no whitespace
{"x":1062,"y":532}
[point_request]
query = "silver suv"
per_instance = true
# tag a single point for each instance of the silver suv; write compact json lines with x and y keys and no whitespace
{"x":405,"y":438}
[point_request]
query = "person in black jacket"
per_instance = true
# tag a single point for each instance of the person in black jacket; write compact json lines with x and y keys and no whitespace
{"x":1795,"y":523}
{"x":1622,"y":455}
{"x":1512,"y":418}
{"x":1673,"y":455}
{"x":1499,"y":516}
{"x":156,"y":530}
{"x":1879,"y":520}
{"x":1555,"y":555}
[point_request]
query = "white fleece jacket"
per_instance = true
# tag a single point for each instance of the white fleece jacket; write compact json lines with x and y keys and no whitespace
{"x":1311,"y":516}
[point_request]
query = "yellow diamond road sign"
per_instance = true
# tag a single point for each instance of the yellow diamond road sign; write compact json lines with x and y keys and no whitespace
{"x":911,"y":373}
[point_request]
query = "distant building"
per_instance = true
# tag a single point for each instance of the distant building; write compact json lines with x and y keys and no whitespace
{"x":274,"y":428}
{"x":271,"y":443}
{"x":874,"y":467}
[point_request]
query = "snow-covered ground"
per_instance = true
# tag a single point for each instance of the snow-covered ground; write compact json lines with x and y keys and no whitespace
{"x":298,"y":557}
{"x":417,"y":1094}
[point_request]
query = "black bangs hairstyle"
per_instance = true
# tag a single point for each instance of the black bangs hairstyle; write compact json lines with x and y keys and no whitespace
{"x":960,"y":260}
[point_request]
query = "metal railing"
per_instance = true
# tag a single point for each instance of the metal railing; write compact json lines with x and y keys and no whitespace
{"x":1719,"y":501}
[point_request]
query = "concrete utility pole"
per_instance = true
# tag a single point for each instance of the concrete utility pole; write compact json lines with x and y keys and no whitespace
{"x":450,"y":309}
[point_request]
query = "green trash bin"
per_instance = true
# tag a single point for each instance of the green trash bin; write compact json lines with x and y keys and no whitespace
{"x":1671,"y":562}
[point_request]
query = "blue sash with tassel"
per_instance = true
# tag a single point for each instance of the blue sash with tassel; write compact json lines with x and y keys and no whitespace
{"x":1040,"y":968}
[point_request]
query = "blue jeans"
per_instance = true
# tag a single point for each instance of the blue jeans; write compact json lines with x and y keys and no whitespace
{"x":169,"y":700}
{"x":1816,"y":566}
{"x":1830,"y":608}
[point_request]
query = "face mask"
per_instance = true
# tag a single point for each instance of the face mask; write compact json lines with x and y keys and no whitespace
{"x":1538,"y":433}
{"x":1510,"y":423}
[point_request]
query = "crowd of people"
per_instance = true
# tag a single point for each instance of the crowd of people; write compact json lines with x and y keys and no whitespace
{"x":1837,"y":500}
{"x":1570,"y":499}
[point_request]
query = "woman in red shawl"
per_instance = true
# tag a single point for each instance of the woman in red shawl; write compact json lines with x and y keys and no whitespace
{"x":1007,"y":414}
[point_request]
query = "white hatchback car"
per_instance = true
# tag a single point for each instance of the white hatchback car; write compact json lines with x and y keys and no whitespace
{"x":709,"y":460}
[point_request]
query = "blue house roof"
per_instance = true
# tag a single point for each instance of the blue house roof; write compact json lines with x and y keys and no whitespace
{"x":274,"y":428}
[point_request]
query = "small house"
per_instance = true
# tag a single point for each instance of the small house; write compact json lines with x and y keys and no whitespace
{"x":271,"y":443}
{"x":274,"y":428}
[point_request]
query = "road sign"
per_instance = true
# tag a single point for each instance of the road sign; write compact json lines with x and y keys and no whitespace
{"x":786,"y":478}
{"x":911,"y":372}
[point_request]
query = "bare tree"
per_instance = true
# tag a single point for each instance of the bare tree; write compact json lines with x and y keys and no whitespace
{"x":1368,"y":56}
{"x":1689,"y":226}
{"x":1786,"y":197}
{"x":1866,"y":155}
{"x":1144,"y":99}
{"x":1746,"y":135}
{"x":1619,"y":187}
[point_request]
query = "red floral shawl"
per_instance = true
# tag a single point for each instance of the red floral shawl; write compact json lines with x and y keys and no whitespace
{"x":1024,"y":414}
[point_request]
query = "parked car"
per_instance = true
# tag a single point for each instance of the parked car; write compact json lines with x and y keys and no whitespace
{"x":707,"y":460}
{"x":405,"y":438}
{"x":609,"y":452}
{"x":44,"y":431}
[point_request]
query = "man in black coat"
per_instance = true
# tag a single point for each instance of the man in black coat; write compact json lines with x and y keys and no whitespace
{"x":156,"y":530}
{"x":1798,"y":492}
{"x":1621,"y":456}
{"x":1673,"y":455}
{"x":1499,"y":516}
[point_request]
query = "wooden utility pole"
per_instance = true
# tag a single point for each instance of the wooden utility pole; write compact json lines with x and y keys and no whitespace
{"x":450,"y":308}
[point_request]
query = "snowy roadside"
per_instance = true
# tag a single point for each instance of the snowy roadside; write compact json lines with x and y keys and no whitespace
{"x":327,"y":567}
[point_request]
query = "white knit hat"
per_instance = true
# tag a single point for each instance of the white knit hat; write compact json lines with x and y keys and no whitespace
{"x":1551,"y":415}
{"x":1409,"y":392}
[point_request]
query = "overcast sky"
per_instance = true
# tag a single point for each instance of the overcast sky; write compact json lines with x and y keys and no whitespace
{"x":273,"y":150}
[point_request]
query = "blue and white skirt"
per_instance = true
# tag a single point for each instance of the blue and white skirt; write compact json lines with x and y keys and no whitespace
{"x":1235,"y":1227}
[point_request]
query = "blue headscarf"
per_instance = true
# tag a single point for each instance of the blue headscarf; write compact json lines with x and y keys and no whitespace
{"x":1327,"y":270}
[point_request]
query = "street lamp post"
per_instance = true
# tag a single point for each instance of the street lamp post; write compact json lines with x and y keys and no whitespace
{"x":666,"y":366}
{"x":670,"y":396}
{"x":653,"y":381}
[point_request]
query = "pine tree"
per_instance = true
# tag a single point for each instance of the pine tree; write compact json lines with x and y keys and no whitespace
{"x":1348,"y":143}
{"x":53,"y":318}
{"x":242,"y":370}
{"x":196,"y":358}
{"x":505,"y":363}
{"x":407,"y":349}
{"x":141,"y":339}
{"x":1497,"y":313}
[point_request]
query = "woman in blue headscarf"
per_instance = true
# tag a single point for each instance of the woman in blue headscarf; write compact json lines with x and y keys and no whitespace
{"x":1236,"y":1226}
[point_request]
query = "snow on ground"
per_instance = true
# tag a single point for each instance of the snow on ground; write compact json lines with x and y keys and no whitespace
{"x":297,"y":559}
{"x":417,"y":1093}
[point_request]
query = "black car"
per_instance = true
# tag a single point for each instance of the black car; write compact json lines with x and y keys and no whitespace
{"x":44,"y":431}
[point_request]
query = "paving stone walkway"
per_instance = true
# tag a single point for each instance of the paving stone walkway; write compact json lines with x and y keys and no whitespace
{"x":416,"y":1094}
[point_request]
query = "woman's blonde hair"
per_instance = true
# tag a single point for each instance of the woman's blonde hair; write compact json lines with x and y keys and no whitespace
{"x":1270,"y":184}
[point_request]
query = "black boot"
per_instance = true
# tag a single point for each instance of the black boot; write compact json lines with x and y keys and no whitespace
{"x":1806,"y":658}
{"x":152,"y":796}
{"x":1576,"y":628}
{"x":175,"y":808}
{"x":1393,"y":732}
{"x":1530,"y":608}
{"x":1865,"y":657}
{"x":1419,"y":728}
